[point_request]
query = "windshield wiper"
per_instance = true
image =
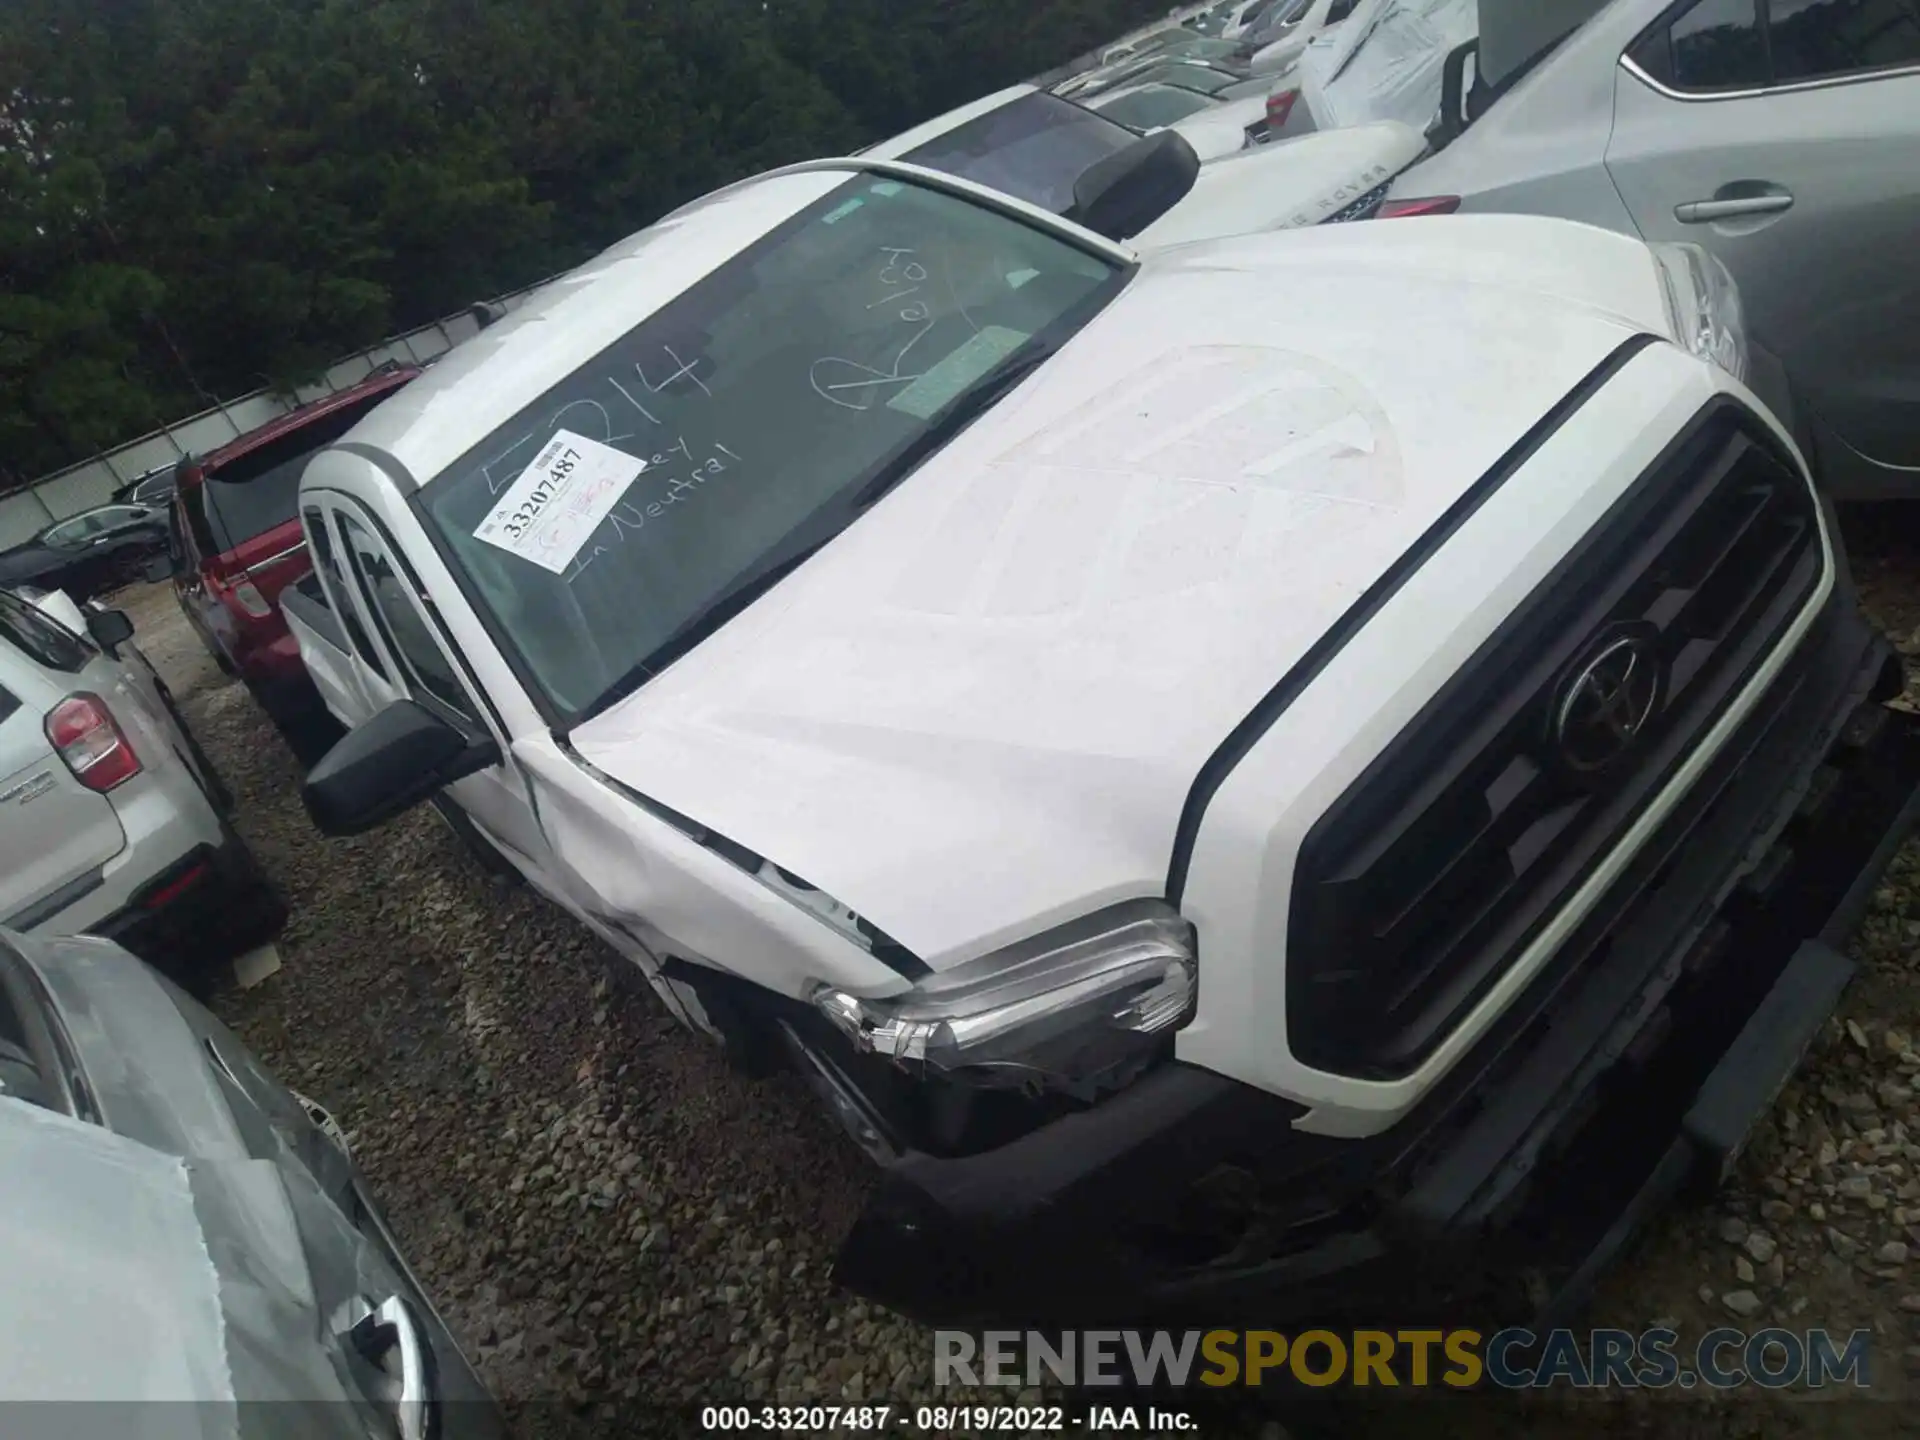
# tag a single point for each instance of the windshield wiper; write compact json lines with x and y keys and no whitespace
{"x":962,"y":412}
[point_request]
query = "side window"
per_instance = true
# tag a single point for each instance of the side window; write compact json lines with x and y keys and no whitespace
{"x":1714,"y":45}
{"x":20,"y":1077}
{"x":72,"y":532}
{"x":340,"y":597}
{"x":38,"y":637}
{"x":1812,"y":39}
{"x":402,"y":625}
{"x":1340,"y":10}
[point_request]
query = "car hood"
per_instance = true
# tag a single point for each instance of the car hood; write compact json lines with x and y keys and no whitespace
{"x":979,"y":711}
{"x":1287,"y":184}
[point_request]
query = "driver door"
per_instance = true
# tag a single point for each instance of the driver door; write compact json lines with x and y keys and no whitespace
{"x":408,"y":656}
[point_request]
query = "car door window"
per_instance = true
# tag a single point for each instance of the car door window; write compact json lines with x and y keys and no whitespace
{"x":339,"y":596}
{"x":1716,"y":45}
{"x":71,"y":532}
{"x":39,"y":638}
{"x":403,"y":626}
{"x":20,"y":1077}
{"x":1814,"y":39}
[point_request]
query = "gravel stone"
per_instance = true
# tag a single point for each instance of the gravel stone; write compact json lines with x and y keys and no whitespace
{"x":1742,"y":1303}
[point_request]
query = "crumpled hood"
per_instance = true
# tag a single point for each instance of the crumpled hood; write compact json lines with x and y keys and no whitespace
{"x":1286,"y":184}
{"x":979,"y":711}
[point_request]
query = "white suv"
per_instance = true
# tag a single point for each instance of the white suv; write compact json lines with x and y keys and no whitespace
{"x":112,"y":822}
{"x":1221,"y":763}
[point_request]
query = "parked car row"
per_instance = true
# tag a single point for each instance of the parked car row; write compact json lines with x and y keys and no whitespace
{"x":1253,"y":759}
{"x":249,"y":1265}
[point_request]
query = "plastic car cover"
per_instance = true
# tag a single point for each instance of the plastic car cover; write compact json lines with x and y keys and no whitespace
{"x":1385,"y":62}
{"x":112,"y":1293}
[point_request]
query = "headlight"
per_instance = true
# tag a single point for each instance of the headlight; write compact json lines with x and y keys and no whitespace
{"x":1703,"y":302}
{"x":1080,"y":1010}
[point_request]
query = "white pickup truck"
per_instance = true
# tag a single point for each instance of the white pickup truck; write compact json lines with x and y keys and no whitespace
{"x":1250,"y":772}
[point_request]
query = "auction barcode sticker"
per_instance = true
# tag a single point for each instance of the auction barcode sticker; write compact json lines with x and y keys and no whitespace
{"x":550,"y":512}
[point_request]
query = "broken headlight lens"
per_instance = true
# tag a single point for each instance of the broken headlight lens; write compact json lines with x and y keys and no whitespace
{"x":1081,"y":1010}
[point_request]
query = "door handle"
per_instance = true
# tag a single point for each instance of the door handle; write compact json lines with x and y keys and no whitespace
{"x":1701,"y":212}
{"x":392,"y":1329}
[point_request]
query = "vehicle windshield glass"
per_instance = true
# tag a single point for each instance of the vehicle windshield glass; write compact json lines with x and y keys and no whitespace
{"x":1150,"y":109}
{"x":610,"y":523}
{"x":1035,"y":148}
{"x":1198,"y":78}
{"x":259,"y":490}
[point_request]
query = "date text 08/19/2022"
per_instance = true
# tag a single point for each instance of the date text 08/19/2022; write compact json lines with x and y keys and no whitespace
{"x":939,"y":1419}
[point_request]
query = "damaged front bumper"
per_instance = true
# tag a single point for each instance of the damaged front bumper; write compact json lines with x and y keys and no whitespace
{"x":1631,"y":1069}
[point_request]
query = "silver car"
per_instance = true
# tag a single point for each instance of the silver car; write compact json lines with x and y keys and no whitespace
{"x":1781,"y":135}
{"x":112,"y":819}
{"x":178,"y":1226}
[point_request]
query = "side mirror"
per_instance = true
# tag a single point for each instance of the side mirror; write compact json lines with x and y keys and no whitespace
{"x":1453,"y":95}
{"x":1123,"y":194}
{"x":110,"y":629}
{"x":381,"y":769}
{"x":158,"y":569}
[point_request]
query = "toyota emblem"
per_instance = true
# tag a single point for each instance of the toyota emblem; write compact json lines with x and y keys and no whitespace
{"x":1608,"y":703}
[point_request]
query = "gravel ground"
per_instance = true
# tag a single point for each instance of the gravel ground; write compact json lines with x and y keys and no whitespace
{"x":612,"y":1219}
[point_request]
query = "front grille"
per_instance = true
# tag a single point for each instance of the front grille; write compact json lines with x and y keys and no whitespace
{"x":1365,"y":208}
{"x":1462,"y":840}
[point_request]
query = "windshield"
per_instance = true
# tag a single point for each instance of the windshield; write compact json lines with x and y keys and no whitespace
{"x":1035,"y":148}
{"x":1152,"y":108}
{"x":1200,"y":79}
{"x":259,"y":490}
{"x":609,"y":524}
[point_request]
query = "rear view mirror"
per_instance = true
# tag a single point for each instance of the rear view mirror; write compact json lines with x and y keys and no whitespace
{"x":110,"y":629}
{"x":1123,"y":194}
{"x":381,"y":769}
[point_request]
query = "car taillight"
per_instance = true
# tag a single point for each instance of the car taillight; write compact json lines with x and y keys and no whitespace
{"x":91,"y":742}
{"x":1279,"y":107}
{"x":248,"y":597}
{"x":1423,"y":205}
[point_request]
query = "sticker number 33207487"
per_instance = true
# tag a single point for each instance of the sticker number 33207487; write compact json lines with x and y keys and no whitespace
{"x":553,"y":507}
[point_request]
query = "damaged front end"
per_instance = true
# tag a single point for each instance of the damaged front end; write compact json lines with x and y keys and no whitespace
{"x":973,"y":1057}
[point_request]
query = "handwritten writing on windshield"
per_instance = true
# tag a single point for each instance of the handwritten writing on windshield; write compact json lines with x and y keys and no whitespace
{"x":610,"y":423}
{"x":855,"y":386}
{"x":630,"y":516}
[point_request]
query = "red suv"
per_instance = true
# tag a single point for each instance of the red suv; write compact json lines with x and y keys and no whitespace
{"x":236,"y":543}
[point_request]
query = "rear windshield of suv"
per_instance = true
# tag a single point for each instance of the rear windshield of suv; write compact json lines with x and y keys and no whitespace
{"x":260,"y":490}
{"x":1034,"y":148}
